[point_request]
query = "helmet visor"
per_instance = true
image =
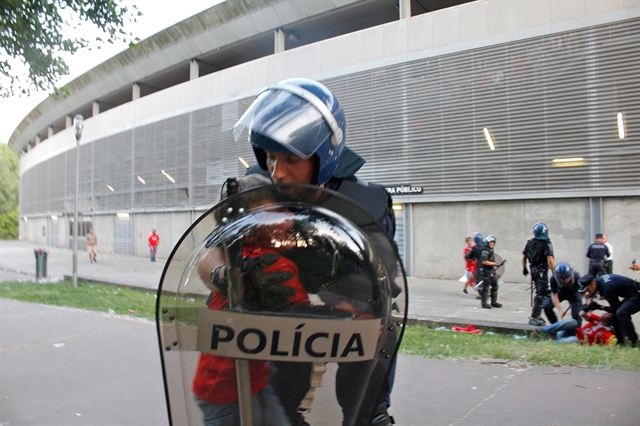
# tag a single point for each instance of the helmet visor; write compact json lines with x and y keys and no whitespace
{"x":290,"y":120}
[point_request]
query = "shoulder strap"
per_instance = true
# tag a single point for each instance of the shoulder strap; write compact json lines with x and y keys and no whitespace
{"x":373,"y":198}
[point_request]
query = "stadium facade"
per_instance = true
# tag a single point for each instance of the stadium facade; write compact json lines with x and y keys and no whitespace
{"x":486,"y":115}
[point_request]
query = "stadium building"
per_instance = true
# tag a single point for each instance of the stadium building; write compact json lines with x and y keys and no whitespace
{"x":487,"y":115}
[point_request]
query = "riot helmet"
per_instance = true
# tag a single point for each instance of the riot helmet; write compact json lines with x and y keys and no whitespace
{"x":477,"y":238}
{"x":297,"y":116}
{"x":490,"y":239}
{"x":564,"y":274}
{"x":541,"y":231}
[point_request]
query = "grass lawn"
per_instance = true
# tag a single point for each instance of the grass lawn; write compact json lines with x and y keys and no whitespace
{"x":418,"y":340}
{"x":446,"y":344}
{"x":90,"y":296}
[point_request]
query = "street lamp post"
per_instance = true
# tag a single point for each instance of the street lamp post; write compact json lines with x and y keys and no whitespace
{"x":78,"y":125}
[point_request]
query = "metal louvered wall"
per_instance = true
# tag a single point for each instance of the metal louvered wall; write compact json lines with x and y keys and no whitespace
{"x":418,"y":122}
{"x":557,"y":96}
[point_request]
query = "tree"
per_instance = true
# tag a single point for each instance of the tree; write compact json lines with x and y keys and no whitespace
{"x":32,"y":38}
{"x":8,"y":193}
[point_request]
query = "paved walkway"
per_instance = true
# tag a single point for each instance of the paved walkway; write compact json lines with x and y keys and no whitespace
{"x":430,"y":300}
{"x":63,"y":366}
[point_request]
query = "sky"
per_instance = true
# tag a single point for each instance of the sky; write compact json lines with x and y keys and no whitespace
{"x":156,"y":16}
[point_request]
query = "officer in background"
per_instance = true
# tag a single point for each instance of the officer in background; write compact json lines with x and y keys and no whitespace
{"x":608,"y":261}
{"x":623,"y":295}
{"x":597,"y":253}
{"x":487,"y":273}
{"x":564,"y":286}
{"x":297,"y":132}
{"x":539,"y":252}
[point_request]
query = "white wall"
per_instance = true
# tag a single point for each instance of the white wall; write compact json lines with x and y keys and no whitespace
{"x":439,"y":230}
{"x":104,"y":229}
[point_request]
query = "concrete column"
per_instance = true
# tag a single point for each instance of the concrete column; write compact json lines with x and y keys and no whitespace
{"x":278,"y":40}
{"x":50,"y":131}
{"x":405,"y":9}
{"x":96,"y":108}
{"x":595,"y":216}
{"x":194,"y":69}
{"x":135,"y":91}
{"x":68,"y":122}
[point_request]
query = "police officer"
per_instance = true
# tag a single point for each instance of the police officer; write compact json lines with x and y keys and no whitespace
{"x":622,"y":294}
{"x":564,"y":286}
{"x":597,"y":252}
{"x":297,"y":132}
{"x":487,"y":273}
{"x":539,"y":252}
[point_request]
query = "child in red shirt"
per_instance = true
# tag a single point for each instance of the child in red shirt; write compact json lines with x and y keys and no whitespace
{"x":470,"y":266}
{"x":214,"y":384}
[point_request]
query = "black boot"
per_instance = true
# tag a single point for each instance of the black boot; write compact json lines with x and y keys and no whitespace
{"x":484,"y":303}
{"x":494,"y":296}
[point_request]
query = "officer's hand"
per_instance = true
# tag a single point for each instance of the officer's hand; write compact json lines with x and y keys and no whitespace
{"x":265,"y":288}
{"x":592,"y":306}
{"x":525,"y":271}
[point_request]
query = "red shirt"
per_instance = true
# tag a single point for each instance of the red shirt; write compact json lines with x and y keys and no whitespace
{"x":470,"y":265}
{"x":595,"y":332}
{"x":154,"y":239}
{"x":215,"y":378}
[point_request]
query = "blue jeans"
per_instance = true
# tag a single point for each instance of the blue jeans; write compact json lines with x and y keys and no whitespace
{"x":265,"y":410}
{"x":565,"y":330}
{"x":152,"y":253}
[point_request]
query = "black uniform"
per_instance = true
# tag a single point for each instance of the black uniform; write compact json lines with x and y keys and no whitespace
{"x":291,"y":380}
{"x":537,"y":252}
{"x":487,"y":274}
{"x":569,"y":293}
{"x":623,"y":295}
{"x":596,"y":254}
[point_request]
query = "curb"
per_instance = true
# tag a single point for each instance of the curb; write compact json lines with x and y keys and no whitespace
{"x":494,"y":326}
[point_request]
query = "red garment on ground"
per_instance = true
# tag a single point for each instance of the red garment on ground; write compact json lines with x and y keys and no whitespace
{"x":468,"y":329}
{"x":215,"y":378}
{"x":595,"y":332}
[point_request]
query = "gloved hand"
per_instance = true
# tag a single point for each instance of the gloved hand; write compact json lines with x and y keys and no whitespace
{"x":263,"y":287}
{"x":260,"y":287}
{"x":525,"y":271}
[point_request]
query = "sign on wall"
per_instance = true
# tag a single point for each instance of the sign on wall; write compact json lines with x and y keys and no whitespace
{"x":403,"y":189}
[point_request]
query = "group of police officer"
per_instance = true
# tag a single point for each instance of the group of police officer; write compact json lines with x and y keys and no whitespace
{"x":297,"y":131}
{"x":621,"y":293}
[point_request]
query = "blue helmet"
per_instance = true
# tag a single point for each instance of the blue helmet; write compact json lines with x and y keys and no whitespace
{"x":490,"y":239}
{"x":477,"y":238}
{"x":541,"y":231}
{"x":564,"y":274}
{"x":298,"y":116}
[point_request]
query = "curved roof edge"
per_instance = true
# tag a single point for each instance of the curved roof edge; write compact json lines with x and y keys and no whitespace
{"x":219,"y":26}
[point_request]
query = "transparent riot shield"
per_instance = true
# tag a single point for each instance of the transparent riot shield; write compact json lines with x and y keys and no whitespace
{"x":279,"y":306}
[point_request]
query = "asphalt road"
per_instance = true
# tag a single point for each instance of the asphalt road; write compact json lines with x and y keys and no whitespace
{"x":61,"y":366}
